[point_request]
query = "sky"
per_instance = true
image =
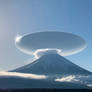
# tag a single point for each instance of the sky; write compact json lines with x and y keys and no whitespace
{"x":19,"y":17}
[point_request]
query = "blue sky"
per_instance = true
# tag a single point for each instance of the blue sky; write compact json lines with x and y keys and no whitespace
{"x":18,"y":17}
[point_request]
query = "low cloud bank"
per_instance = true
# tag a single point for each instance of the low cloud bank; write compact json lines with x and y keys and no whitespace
{"x":86,"y":80}
{"x":22,"y":75}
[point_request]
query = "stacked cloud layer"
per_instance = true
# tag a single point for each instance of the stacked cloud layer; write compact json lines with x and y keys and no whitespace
{"x":66,"y":42}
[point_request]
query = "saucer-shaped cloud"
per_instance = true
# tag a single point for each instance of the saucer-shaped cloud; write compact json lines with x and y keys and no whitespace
{"x":66,"y":42}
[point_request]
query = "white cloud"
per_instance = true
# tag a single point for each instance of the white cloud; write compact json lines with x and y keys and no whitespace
{"x":38,"y":53}
{"x":81,"y":79}
{"x":22,"y":75}
{"x":85,"y":80}
{"x":67,"y":79}
{"x":89,"y":85}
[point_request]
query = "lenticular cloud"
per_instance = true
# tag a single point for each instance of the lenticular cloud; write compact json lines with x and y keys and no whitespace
{"x":67,"y":42}
{"x":40,"y":52}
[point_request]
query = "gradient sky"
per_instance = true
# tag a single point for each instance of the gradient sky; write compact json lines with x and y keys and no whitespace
{"x":18,"y":17}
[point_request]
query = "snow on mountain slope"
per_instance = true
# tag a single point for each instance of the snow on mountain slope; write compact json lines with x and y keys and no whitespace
{"x":52,"y":64}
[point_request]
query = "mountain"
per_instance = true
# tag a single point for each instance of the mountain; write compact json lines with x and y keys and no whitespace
{"x":52,"y":64}
{"x":49,"y":71}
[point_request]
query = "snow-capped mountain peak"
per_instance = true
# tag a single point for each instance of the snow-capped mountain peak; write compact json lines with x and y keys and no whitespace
{"x":52,"y":64}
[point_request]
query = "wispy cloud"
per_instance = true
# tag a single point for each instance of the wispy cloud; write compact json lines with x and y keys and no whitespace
{"x":67,"y":79}
{"x":89,"y":85}
{"x":22,"y":75}
{"x":85,"y":80}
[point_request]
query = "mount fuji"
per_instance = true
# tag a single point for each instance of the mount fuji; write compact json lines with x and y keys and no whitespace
{"x":52,"y":64}
{"x":54,"y":70}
